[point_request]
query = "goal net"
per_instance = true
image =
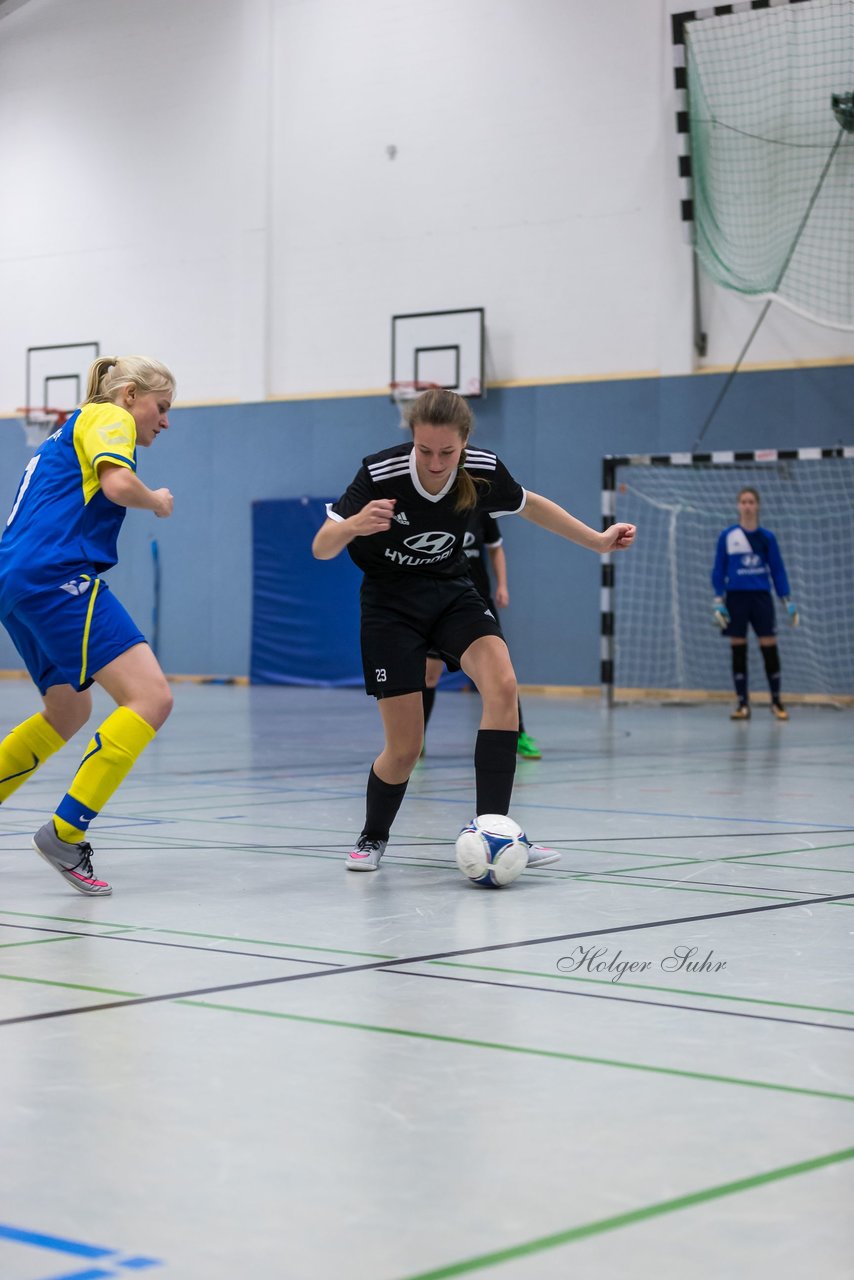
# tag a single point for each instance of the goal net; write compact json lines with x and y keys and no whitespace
{"x":763,"y":126}
{"x":658,"y":630}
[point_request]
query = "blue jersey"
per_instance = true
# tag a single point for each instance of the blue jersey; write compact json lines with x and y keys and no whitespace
{"x":748,"y":560}
{"x":62,"y":524}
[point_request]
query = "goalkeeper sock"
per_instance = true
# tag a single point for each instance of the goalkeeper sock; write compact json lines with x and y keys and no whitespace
{"x":494,"y":769}
{"x":771,"y":658}
{"x":116,"y":746}
{"x":383,"y":801}
{"x":24,"y":750}
{"x":739,"y":671}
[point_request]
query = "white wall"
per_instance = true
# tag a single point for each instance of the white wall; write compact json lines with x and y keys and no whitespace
{"x":208,"y":181}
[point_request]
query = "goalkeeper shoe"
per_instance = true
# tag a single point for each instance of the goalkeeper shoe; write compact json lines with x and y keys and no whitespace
{"x":72,"y":861}
{"x":778,"y":711}
{"x":742,"y":712}
{"x":527,"y":748}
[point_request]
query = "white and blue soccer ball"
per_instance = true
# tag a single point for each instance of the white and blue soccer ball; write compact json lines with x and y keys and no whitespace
{"x":492,"y":850}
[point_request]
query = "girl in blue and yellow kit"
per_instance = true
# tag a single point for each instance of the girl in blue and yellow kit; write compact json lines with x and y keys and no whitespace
{"x":67,"y":626}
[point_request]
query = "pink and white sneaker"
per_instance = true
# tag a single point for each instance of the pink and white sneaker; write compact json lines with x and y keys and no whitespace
{"x":72,"y":861}
{"x":539,"y":855}
{"x":366,"y":855}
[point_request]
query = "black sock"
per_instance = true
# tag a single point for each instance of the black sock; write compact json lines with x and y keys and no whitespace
{"x":739,"y":671}
{"x":428,"y":697}
{"x":521,"y":721}
{"x":494,"y":769}
{"x":771,"y":658}
{"x":383,"y":801}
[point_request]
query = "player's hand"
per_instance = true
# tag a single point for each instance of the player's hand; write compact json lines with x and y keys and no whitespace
{"x":375,"y":517}
{"x":792,"y":611}
{"x":502,"y":597}
{"x":618,"y":537}
{"x":721,"y":614}
{"x":164,"y":503}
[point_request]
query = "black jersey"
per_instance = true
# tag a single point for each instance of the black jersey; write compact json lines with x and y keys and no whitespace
{"x":426,"y":534}
{"x":482,"y":534}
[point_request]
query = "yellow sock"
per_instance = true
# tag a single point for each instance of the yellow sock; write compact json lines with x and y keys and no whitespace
{"x":116,"y":746}
{"x":24,"y":750}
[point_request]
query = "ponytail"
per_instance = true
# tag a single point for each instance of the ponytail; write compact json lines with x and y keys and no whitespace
{"x":109,"y":374}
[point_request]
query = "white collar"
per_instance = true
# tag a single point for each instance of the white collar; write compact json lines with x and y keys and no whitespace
{"x":431,"y":497}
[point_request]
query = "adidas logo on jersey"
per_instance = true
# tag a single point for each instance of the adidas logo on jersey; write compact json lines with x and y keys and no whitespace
{"x":401,"y":518}
{"x":77,"y":586}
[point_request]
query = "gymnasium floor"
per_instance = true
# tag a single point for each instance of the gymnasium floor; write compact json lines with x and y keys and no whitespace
{"x":249,"y":1063}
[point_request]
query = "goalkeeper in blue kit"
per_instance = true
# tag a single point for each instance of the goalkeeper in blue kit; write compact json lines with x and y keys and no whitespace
{"x":747,"y":563}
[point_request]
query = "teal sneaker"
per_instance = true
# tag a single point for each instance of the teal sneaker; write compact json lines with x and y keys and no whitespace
{"x":527,"y":748}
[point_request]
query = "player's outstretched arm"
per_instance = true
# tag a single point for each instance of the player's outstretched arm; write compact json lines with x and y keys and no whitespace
{"x":122,"y":487}
{"x":334,"y":535}
{"x":548,"y":515}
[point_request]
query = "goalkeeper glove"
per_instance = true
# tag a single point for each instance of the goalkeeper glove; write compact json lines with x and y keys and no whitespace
{"x":721,"y":613}
{"x":792,"y":611}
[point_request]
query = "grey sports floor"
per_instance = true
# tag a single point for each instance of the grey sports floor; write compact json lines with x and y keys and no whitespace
{"x":250,"y":1063}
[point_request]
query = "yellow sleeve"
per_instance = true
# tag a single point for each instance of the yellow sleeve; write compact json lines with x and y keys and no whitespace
{"x":103,"y":433}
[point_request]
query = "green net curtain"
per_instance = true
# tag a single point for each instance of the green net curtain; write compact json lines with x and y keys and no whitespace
{"x":762,"y":129}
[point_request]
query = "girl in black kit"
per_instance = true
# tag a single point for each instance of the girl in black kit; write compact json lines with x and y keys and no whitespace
{"x":403,"y":521}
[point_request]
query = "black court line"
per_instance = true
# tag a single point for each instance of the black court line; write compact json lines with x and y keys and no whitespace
{"x":402,"y":960}
{"x":709,"y":835}
{"x":155,"y":942}
{"x":595,"y":995}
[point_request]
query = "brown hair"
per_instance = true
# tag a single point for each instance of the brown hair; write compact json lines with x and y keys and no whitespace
{"x":749,"y":489}
{"x":108,"y":374}
{"x":440,"y":408}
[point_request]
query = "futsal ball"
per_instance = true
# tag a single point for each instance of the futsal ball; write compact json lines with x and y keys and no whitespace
{"x":492,"y":850}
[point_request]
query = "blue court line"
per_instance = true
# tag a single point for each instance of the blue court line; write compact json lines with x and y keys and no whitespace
{"x":54,"y":1242}
{"x":77,"y":1248}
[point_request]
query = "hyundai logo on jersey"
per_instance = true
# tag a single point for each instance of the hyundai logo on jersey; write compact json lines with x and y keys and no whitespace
{"x":433,"y":544}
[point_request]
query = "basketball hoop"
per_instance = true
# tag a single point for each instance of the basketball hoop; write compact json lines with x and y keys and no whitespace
{"x":401,"y":392}
{"x":38,"y":424}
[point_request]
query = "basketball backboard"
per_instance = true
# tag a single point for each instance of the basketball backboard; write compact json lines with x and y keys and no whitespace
{"x":443,"y":347}
{"x":56,"y":375}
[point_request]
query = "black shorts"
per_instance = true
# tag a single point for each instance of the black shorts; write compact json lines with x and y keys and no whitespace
{"x":455,"y":666}
{"x":750,"y":608}
{"x":405,"y":619}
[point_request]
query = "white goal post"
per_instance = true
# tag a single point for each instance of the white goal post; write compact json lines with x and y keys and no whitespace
{"x":658,"y":637}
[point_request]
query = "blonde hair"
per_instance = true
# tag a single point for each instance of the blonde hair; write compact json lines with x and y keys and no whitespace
{"x":108,"y":374}
{"x":440,"y":408}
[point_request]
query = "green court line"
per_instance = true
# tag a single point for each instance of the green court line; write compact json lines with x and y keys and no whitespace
{"x":435,"y":1038}
{"x":643,"y":986}
{"x":554,"y":1054}
{"x":631,"y":1218}
{"x":784,"y":866}
{"x":35,"y":942}
{"x":777,"y":853}
{"x":72,"y":986}
{"x":95,"y":924}
{"x":451,"y":964}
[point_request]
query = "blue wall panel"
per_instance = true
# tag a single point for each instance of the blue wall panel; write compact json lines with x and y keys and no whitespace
{"x":305,"y":612}
{"x":218,"y":461}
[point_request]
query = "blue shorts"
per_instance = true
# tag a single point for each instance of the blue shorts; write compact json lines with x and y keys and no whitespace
{"x":67,"y":633}
{"x":753,"y":608}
